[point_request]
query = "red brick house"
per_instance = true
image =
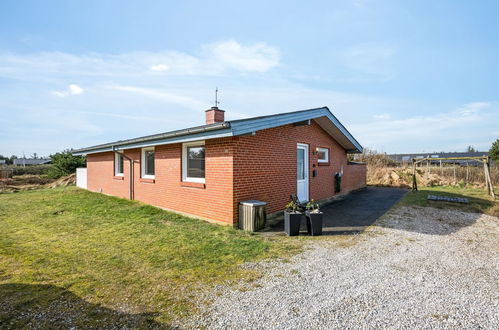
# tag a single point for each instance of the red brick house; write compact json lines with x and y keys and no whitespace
{"x":206,"y":171}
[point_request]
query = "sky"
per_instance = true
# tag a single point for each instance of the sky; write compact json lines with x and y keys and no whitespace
{"x":402,"y":76}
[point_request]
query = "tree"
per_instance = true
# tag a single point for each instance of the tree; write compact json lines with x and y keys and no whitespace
{"x":12,"y":159}
{"x":2,"y":157}
{"x":471,"y":149}
{"x":494,"y":151}
{"x":64,"y":163}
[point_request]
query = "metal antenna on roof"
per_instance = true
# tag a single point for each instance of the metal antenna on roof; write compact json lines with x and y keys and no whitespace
{"x":216,"y":97}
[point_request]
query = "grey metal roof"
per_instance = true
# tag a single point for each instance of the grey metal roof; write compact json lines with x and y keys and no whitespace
{"x":322,"y":116}
{"x":30,"y":161}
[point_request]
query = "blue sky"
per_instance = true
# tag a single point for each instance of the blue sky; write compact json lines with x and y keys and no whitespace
{"x":402,"y":76}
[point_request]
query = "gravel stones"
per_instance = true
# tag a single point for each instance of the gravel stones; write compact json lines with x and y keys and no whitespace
{"x":416,"y":267}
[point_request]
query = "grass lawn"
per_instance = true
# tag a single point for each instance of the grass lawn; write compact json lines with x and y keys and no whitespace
{"x":479,"y":201}
{"x":69,"y":257}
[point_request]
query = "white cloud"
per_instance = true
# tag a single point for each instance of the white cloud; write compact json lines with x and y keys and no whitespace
{"x":257,"y":57}
{"x":71,"y":90}
{"x":450,"y":131}
{"x":473,"y":108}
{"x":159,"y":67}
{"x":382,"y":116}
{"x":140,"y":93}
{"x":75,"y":89}
{"x":161,"y":95}
{"x":215,"y":59}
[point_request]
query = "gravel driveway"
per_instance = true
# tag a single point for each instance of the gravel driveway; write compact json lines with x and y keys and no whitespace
{"x":417,"y":267}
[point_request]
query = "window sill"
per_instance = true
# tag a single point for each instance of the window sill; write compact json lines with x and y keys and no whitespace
{"x":118,"y":177}
{"x":146,"y":180}
{"x":323,"y":164}
{"x":193,"y":184}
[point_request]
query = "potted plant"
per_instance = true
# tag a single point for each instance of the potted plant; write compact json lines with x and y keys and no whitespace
{"x":292,"y":218}
{"x":314,"y":218}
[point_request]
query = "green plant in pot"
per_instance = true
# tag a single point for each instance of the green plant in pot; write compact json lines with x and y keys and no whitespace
{"x":314,"y":218}
{"x":292,"y":218}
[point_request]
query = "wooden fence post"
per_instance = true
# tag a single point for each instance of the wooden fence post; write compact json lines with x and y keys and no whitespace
{"x":489,"y":179}
{"x":414,"y":183}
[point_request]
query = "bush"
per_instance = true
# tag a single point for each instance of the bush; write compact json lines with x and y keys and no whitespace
{"x":494,"y":151}
{"x":374,"y":159}
{"x":64,"y":163}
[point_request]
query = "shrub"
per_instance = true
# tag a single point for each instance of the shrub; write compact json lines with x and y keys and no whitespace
{"x":64,"y":163}
{"x":494,"y":151}
{"x":374,"y":159}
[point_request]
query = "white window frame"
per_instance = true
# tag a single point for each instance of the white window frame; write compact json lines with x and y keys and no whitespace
{"x":326,"y":150}
{"x":185,"y":178}
{"x":116,"y":164}
{"x":143,"y":163}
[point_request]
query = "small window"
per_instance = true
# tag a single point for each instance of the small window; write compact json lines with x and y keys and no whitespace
{"x":323,"y":155}
{"x":193,"y":162}
{"x":118,"y":164}
{"x":147,"y":163}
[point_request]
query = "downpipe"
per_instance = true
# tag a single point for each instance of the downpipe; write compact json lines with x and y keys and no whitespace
{"x":130,"y":183}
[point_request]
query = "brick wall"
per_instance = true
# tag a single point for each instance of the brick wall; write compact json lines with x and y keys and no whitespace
{"x":354,"y":177}
{"x":210,"y":201}
{"x":264,"y":167}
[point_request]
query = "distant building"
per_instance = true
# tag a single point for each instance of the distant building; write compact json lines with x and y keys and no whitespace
{"x":30,"y":162}
{"x":2,"y":162}
{"x":407,"y":158}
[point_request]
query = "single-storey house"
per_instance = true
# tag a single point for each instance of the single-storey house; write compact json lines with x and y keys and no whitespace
{"x":205,"y":171}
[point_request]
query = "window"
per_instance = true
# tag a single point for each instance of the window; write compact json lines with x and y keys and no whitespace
{"x":300,"y":164}
{"x":147,"y":163}
{"x":118,"y":164}
{"x":323,"y":155}
{"x":193,"y":162}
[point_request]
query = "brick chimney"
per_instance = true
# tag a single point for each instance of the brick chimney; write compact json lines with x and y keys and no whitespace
{"x":214,"y":115}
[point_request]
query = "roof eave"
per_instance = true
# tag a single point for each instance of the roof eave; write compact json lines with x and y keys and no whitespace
{"x":190,"y":134}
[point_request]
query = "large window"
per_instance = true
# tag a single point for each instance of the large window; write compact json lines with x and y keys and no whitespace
{"x":193,"y":162}
{"x":147,"y":163}
{"x":323,"y":155}
{"x":118,"y":164}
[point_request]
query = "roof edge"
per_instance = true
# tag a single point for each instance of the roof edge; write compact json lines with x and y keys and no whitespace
{"x":152,"y":138}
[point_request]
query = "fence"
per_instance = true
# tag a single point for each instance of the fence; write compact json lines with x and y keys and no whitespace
{"x":466,"y":174}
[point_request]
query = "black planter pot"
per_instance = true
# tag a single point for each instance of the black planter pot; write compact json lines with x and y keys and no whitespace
{"x":314,"y":223}
{"x":292,"y":222}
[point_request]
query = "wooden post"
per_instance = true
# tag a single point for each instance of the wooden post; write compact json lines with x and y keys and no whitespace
{"x":454,"y":167}
{"x":486,"y":177}
{"x":487,"y":173}
{"x":441,"y":169}
{"x":467,"y":171}
{"x":414,"y":183}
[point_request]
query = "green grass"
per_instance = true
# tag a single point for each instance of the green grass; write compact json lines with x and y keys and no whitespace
{"x":479,"y":201}
{"x":96,"y":259}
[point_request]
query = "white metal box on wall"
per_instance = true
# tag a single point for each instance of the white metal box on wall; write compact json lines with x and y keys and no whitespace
{"x":81,"y":177}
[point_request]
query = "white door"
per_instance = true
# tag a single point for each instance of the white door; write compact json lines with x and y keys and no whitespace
{"x":302,"y":172}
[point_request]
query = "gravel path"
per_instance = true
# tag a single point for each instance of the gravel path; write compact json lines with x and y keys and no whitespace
{"x":418,"y":267}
